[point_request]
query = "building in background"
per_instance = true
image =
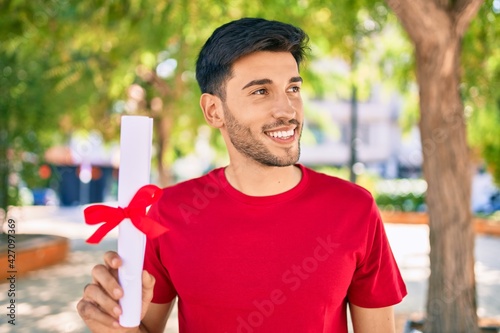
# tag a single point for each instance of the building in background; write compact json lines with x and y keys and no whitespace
{"x":380,"y":144}
{"x":85,"y":171}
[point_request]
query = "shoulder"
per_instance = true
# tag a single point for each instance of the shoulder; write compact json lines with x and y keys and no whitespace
{"x":206,"y":185}
{"x":186,"y":197}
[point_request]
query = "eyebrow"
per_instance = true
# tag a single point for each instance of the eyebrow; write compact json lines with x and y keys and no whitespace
{"x":269,"y":81}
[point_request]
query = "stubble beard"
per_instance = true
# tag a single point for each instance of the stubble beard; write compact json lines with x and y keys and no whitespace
{"x":244,"y":142}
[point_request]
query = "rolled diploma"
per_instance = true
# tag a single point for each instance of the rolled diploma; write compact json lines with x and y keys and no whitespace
{"x":135,"y":167}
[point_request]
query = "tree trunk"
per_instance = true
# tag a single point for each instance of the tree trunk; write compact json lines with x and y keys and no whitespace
{"x":451,"y":305}
{"x":436,"y":28}
{"x":162,"y":122}
{"x":163,"y":129}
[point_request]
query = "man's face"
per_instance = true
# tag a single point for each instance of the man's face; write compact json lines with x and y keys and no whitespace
{"x":263,"y":110}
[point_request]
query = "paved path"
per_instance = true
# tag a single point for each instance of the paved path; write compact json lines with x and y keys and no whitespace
{"x":46,"y":299}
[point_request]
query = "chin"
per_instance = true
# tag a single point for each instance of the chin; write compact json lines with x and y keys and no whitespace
{"x":280,"y":162}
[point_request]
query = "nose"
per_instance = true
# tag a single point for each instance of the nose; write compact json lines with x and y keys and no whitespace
{"x":286,"y":107}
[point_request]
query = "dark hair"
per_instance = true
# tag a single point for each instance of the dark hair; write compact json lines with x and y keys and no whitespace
{"x":239,"y":38}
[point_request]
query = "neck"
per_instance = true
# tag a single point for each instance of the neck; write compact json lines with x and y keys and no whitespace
{"x":255,"y":179}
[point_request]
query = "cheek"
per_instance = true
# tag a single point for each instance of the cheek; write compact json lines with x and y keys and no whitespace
{"x":252,"y":114}
{"x":299,"y":107}
{"x":297,"y":101}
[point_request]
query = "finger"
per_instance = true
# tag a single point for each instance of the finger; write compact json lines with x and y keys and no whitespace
{"x":95,"y":295}
{"x":91,"y":313}
{"x":102,"y":276}
{"x":112,"y":259}
{"x":86,"y":286}
{"x":148,"y":282}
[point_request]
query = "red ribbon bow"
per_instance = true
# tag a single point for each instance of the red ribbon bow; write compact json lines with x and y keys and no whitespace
{"x":136,"y":212}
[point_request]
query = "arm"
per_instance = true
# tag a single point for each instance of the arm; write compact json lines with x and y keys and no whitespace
{"x":376,"y":320}
{"x":99,"y":307}
{"x":156,"y":317}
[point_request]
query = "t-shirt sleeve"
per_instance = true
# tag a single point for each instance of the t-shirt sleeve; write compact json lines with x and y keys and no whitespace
{"x":164,"y":291}
{"x":377,"y":281}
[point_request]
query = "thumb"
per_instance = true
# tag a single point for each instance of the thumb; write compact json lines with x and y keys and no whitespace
{"x":148,"y":282}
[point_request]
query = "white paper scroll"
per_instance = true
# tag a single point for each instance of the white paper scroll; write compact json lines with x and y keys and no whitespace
{"x":135,"y":167}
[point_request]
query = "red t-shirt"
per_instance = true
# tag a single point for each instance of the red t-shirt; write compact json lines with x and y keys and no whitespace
{"x":284,"y":263}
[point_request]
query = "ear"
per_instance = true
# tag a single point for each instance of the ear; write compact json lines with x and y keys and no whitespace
{"x":211,"y":106}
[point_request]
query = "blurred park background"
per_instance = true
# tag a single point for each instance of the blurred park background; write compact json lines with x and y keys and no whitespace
{"x":70,"y":69}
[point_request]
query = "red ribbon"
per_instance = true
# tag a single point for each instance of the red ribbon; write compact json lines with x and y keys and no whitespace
{"x":136,"y":212}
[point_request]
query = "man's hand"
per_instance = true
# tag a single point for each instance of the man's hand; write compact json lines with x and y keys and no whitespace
{"x":99,"y":307}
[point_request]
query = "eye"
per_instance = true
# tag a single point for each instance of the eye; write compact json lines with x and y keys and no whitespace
{"x":260,"y":92}
{"x":294,"y":89}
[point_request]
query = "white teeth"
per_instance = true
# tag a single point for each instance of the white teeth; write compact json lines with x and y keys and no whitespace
{"x":281,"y":134}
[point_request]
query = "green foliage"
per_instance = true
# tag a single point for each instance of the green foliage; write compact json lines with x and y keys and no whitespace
{"x":481,"y":88}
{"x":400,"y":202}
{"x":68,"y":65}
{"x":389,"y":194}
{"x":407,"y":195}
{"x":26,"y":114}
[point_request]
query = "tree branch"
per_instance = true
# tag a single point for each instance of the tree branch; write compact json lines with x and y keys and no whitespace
{"x":444,"y":4}
{"x":464,"y":11}
{"x":408,"y":12}
{"x":421,"y":18}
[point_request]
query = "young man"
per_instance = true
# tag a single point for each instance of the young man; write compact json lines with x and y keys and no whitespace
{"x":264,"y":244}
